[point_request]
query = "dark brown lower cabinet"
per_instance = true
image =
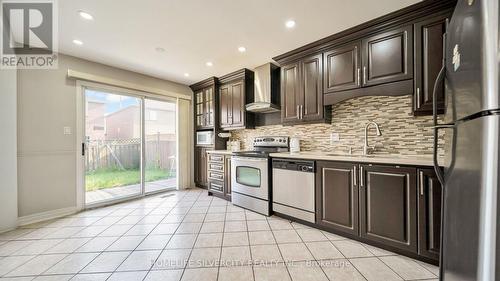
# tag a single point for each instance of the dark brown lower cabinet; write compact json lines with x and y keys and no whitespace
{"x":200,"y":166}
{"x":429,"y":213}
{"x":337,"y":196}
{"x":388,"y":206}
{"x":219,"y":175}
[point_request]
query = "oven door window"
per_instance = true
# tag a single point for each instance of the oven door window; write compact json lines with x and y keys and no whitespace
{"x":248,"y":176}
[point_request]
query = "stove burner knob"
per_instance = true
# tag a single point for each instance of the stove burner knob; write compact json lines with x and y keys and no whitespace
{"x":303,"y":168}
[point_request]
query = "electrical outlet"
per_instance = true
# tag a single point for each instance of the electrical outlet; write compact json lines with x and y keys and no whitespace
{"x":334,"y":137}
{"x":67,"y":130}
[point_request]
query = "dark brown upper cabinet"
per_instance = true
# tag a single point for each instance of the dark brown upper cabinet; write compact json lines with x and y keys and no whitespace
{"x":377,"y":58}
{"x":290,"y":93}
{"x":380,"y":64}
{"x":235,"y":91}
{"x":388,"y":206}
{"x":204,"y":103}
{"x":388,"y":57}
{"x":302,"y":91}
{"x":342,"y":68}
{"x":337,"y":202}
{"x":429,"y":214}
{"x":428,"y":61}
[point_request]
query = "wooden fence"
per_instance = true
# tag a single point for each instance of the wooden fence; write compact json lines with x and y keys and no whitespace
{"x":126,"y":154}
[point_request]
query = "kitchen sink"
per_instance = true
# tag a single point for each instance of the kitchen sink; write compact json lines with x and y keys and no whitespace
{"x":349,"y":155}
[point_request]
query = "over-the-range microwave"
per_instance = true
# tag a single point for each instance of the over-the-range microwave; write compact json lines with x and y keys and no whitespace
{"x":204,"y":138}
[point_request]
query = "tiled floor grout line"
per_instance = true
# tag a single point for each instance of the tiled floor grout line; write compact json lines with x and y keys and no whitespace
{"x":104,"y":250}
{"x":222,"y":242}
{"x":249,"y":246}
{"x":186,"y":208}
{"x":277,"y":245}
{"x":195,"y":240}
{"x":312,"y":255}
{"x":171,"y":235}
{"x":66,"y":254}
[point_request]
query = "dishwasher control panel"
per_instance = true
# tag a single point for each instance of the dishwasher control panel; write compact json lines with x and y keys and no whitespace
{"x":294,"y":165}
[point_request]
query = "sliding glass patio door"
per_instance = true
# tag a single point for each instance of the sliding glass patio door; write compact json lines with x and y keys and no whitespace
{"x":130,"y":146}
{"x":160,"y":153}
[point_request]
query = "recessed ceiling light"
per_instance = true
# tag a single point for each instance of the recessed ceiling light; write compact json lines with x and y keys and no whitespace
{"x":209,"y":63}
{"x":186,"y":74}
{"x":242,"y":49}
{"x":85,"y":15}
{"x":77,"y":42}
{"x":290,"y":24}
{"x":160,"y":49}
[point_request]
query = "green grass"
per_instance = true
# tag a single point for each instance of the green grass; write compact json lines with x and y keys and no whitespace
{"x":102,"y":179}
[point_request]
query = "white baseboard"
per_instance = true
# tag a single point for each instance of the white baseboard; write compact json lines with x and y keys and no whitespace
{"x":53,"y":214}
{"x":2,"y":230}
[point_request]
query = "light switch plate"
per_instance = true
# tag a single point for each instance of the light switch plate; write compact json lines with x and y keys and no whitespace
{"x":67,"y":130}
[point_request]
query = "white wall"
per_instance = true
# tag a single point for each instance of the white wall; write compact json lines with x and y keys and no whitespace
{"x":47,"y":157}
{"x":8,"y":150}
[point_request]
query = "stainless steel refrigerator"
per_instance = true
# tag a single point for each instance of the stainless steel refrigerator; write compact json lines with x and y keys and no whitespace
{"x":470,"y":229}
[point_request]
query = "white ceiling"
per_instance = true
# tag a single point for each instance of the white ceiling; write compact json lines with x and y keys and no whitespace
{"x":125,"y":33}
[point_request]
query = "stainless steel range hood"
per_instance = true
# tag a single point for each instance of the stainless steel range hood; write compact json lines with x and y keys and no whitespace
{"x":266,"y":89}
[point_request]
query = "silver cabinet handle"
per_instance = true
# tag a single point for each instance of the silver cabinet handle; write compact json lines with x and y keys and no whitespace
{"x":418,"y":97}
{"x":361,"y":176}
{"x":364,"y":74}
{"x":359,"y":76}
{"x":298,"y":111}
{"x":421,"y":174}
{"x":301,"y":112}
{"x":355,"y":172}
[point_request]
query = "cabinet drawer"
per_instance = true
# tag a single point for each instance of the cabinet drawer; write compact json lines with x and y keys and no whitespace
{"x":216,"y":158}
{"x":216,"y":186}
{"x":216,"y":167}
{"x":215,"y":175}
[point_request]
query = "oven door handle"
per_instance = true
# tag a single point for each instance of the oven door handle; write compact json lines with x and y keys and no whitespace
{"x":248,"y":159}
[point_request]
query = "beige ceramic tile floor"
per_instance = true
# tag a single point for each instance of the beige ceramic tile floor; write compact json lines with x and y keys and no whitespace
{"x":187,"y":235}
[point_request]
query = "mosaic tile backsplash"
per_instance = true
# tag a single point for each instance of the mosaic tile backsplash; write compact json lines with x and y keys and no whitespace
{"x":402,"y":133}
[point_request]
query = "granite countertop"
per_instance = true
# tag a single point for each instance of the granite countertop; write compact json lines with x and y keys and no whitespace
{"x":412,"y":160}
{"x":416,"y":160}
{"x":226,"y":152}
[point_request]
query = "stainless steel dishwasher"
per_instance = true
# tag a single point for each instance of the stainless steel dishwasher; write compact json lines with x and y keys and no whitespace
{"x":293,"y":188}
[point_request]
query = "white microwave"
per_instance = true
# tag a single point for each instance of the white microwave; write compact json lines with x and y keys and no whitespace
{"x":204,"y":138}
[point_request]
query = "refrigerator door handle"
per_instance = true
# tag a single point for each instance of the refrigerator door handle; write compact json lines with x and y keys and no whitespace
{"x":439,"y":79}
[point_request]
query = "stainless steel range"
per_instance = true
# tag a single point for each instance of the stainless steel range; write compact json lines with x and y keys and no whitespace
{"x":251,"y":174}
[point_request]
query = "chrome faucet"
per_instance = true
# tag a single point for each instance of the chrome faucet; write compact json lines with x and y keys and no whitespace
{"x":368,"y":149}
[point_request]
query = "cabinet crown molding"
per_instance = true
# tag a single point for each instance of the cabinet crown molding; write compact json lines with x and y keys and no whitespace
{"x":204,"y":83}
{"x":399,"y":17}
{"x":238,"y":74}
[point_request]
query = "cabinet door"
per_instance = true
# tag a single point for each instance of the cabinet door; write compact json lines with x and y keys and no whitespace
{"x":201,"y":159}
{"x":388,"y":206}
{"x":237,"y":98}
{"x":342,"y":68}
{"x":388,"y":57}
{"x":200,"y":172}
{"x":290,"y":93}
{"x":209,"y":106}
{"x":429,"y":214}
{"x":200,"y":110}
{"x":428,"y":62}
{"x":337,"y":196}
{"x":204,"y":167}
{"x":311,"y":94}
{"x":225,"y":108}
